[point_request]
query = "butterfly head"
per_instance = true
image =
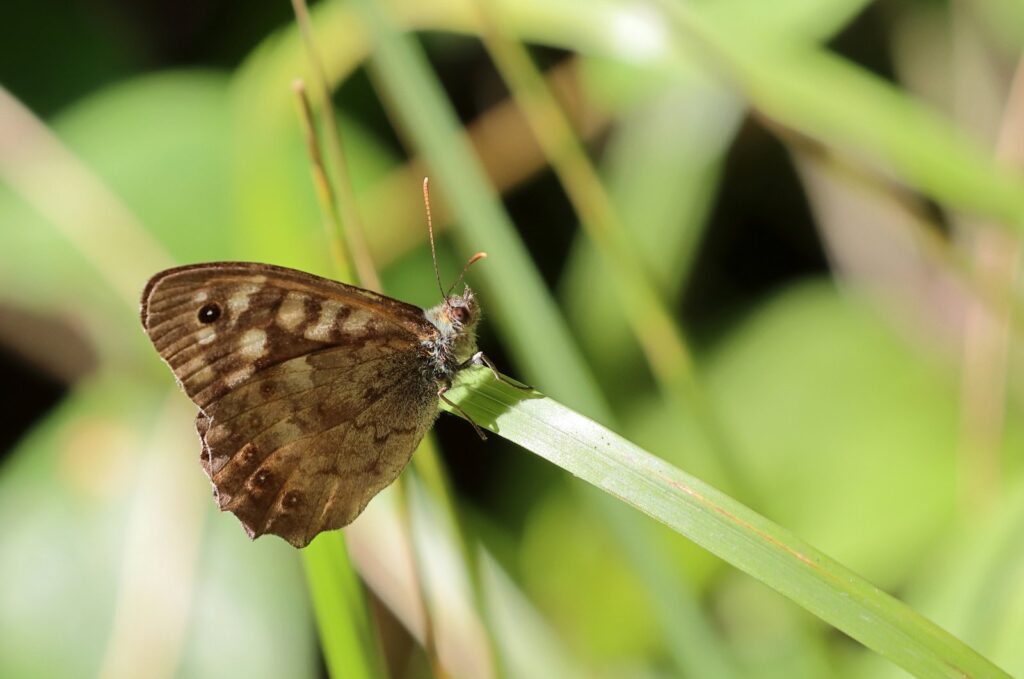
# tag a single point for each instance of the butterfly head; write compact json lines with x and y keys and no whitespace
{"x":456,"y":319}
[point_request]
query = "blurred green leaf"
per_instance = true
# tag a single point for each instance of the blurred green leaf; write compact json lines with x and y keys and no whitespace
{"x":70,"y":497}
{"x":828,"y":431}
{"x":558,"y":527}
{"x":112,"y":132}
{"x":973,"y":584}
{"x":161,"y":143}
{"x":1005,"y":19}
{"x":529,"y":646}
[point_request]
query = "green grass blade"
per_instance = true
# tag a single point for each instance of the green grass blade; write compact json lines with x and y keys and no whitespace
{"x":667,"y":351}
{"x":458,"y":588}
{"x":346,"y":633}
{"x":529,"y":318}
{"x":721,"y":525}
{"x":269,"y":179}
{"x":530,"y":647}
{"x":802,"y":20}
{"x":825,"y":97}
{"x":349,"y":644}
{"x":532,"y":327}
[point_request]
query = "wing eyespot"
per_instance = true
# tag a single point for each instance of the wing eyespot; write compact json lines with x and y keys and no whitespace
{"x":209,"y":313}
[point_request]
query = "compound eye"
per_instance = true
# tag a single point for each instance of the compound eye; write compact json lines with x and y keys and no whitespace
{"x":460,"y":314}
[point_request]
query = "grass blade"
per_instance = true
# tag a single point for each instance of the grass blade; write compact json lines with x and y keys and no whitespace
{"x":831,"y":100}
{"x":528,"y":318}
{"x":721,"y":525}
{"x":341,"y":615}
{"x":541,"y":341}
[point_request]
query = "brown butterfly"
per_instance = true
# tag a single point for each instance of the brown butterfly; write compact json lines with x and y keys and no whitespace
{"x":312,"y":394}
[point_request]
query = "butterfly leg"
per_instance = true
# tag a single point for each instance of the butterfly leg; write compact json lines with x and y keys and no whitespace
{"x":440,"y":394}
{"x":480,"y":359}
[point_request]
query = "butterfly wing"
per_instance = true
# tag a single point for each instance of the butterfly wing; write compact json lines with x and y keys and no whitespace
{"x":312,"y":394}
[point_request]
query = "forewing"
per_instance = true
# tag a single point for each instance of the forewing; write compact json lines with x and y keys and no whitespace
{"x":303,"y":446}
{"x":265,"y":315}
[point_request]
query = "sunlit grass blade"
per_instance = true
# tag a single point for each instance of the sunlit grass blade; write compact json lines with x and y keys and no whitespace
{"x":721,"y":525}
{"x":527,"y":319}
{"x":266,"y":78}
{"x":831,"y":100}
{"x":348,"y":226}
{"x":346,"y":634}
{"x":667,"y":351}
{"x":803,"y":20}
{"x":463,"y":644}
{"x":420,"y":105}
{"x":454,"y":631}
{"x":530,"y":647}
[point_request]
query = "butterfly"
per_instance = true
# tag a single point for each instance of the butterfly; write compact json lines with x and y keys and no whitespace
{"x":312,"y":394}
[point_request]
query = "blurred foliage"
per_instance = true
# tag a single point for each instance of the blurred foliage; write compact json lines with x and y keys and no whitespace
{"x":854,"y":335}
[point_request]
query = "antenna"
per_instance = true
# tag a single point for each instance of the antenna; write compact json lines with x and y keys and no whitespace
{"x":472,"y":260}
{"x":430,"y":230}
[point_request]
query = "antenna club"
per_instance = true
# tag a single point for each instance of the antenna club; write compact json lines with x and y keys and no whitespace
{"x":472,"y":260}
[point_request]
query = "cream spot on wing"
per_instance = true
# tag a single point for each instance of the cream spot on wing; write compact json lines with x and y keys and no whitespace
{"x":200,"y":296}
{"x":292,"y":311}
{"x":202,"y":376}
{"x":239,"y":376}
{"x":239,"y":300}
{"x":206,"y":335}
{"x":254,"y":343}
{"x":321,"y":330}
{"x":357,"y":320}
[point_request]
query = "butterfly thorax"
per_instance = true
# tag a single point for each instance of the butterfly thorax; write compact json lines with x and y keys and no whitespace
{"x":456,"y":319}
